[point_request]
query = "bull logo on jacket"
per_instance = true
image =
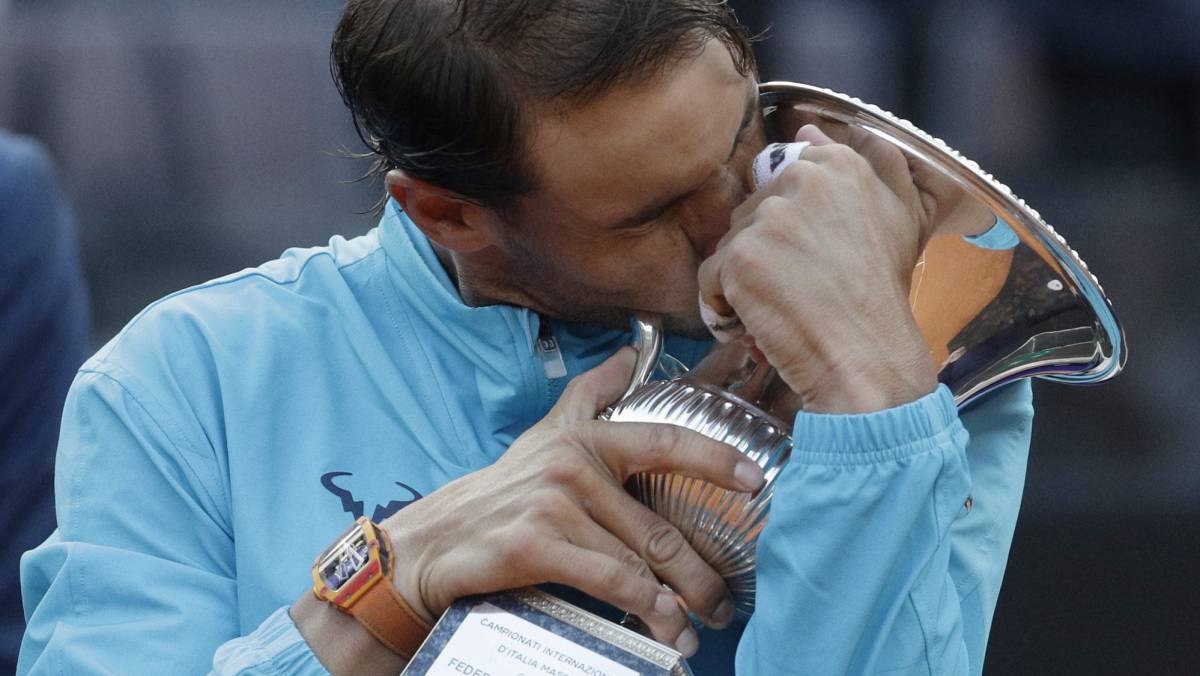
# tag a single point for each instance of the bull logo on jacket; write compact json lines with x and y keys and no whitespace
{"x":344,"y":487}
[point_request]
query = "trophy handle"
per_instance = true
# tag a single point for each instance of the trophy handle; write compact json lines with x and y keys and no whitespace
{"x":648,"y":341}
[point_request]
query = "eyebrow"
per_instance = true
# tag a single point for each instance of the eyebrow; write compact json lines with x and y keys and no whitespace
{"x":653,"y":212}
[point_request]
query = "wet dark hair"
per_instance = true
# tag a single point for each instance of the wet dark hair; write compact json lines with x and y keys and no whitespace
{"x":442,"y":89}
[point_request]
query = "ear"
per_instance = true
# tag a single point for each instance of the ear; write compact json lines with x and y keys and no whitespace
{"x":446,"y":218}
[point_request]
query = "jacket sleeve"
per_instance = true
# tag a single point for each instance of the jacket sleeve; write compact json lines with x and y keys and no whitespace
{"x":870,"y":561}
{"x":139,"y":577}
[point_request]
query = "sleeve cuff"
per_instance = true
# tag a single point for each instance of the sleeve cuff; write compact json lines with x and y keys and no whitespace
{"x":276,"y":646}
{"x":889,"y":434}
{"x":999,"y":237}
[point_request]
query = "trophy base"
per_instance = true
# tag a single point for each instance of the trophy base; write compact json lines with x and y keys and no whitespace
{"x":527,"y":632}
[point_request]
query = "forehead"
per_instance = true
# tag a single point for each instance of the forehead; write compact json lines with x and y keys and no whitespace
{"x":640,"y":143}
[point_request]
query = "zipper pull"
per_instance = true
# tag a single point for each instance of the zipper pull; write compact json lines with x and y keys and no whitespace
{"x":548,"y":352}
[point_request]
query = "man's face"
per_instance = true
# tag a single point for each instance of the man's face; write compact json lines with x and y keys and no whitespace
{"x":634,"y":191}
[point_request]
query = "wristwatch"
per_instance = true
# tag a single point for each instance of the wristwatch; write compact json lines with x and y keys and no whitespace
{"x":354,"y":574}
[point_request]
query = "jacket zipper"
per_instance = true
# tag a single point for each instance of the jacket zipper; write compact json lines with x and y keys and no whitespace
{"x":550,"y":355}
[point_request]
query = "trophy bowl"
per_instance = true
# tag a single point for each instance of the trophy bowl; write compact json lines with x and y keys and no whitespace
{"x":997,"y":293}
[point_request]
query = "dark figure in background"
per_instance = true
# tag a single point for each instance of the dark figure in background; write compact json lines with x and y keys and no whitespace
{"x":43,"y":340}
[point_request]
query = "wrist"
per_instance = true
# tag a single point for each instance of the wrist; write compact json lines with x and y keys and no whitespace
{"x":874,"y":379}
{"x":406,"y":563}
{"x":341,"y":643}
{"x":866,"y":392}
{"x":355,"y":574}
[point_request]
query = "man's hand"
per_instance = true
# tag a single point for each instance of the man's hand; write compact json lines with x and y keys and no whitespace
{"x":553,"y":509}
{"x":817,"y":265}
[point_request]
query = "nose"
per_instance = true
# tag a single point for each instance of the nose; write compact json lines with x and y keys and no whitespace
{"x":709,"y":214}
{"x":705,"y":230}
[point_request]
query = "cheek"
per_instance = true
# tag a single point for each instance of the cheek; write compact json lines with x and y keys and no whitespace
{"x":654,"y":270}
{"x":662,"y":269}
{"x":650,"y":268}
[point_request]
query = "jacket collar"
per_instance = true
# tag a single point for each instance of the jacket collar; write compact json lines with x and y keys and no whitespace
{"x":418,"y":269}
{"x":498,"y":341}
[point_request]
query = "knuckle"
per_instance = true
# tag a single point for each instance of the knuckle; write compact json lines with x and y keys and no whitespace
{"x":736,"y":292}
{"x":546,"y":507}
{"x":847,"y":157}
{"x":794,"y":175}
{"x":838,"y":152}
{"x":775,"y":208}
{"x":664,"y":545}
{"x":516,"y":548}
{"x":561,"y":504}
{"x":661,"y":441}
{"x":743,"y":254}
{"x":614,"y":578}
{"x":566,"y":469}
{"x":581,"y":387}
{"x":635,"y":564}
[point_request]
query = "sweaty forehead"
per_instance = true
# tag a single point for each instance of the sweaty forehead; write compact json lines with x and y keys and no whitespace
{"x":604,"y":161}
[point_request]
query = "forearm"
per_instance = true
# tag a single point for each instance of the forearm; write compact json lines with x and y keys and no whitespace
{"x":852,"y":566}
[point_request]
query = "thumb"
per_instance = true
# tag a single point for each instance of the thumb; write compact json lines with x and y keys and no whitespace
{"x":590,"y":392}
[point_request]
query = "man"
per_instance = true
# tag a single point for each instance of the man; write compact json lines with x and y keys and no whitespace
{"x":552,"y":167}
{"x":43,"y":309}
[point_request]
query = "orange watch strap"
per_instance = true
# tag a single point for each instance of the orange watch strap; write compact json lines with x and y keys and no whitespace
{"x":385,"y":613}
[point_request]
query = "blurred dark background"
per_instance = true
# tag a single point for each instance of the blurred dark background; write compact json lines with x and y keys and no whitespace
{"x":195,"y":139}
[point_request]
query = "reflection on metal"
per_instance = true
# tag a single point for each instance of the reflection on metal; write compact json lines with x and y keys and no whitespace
{"x":997,"y":293}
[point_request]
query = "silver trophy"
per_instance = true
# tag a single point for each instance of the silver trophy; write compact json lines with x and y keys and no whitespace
{"x":997,"y":293}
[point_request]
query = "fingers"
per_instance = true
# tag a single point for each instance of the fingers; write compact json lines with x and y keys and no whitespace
{"x":629,"y":448}
{"x":666,"y":619}
{"x":891,"y":165}
{"x":611,"y":581}
{"x":589,"y":393}
{"x":716,"y":311}
{"x":811,"y":133}
{"x":666,"y":551}
{"x":718,"y":315}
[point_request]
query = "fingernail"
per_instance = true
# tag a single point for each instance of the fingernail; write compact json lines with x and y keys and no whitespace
{"x":723,"y":615}
{"x":749,"y":475}
{"x":687,"y":643}
{"x":665,"y":604}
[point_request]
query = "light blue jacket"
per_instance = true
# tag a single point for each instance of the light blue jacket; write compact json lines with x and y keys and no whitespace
{"x":210,"y":450}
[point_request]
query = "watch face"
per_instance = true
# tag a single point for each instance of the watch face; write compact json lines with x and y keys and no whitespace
{"x":344,"y":558}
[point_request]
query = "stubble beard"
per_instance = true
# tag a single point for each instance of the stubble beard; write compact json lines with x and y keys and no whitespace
{"x":574,"y":301}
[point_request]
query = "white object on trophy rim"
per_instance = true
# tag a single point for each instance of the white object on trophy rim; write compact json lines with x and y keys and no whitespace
{"x":776,"y":157}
